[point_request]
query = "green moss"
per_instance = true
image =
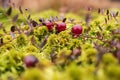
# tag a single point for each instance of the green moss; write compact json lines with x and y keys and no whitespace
{"x":7,"y":38}
{"x":53,"y":40}
{"x":33,"y":74}
{"x":113,"y":72}
{"x":74,"y":72}
{"x":21,"y":40}
{"x":108,"y":59}
{"x":25,"y":27}
{"x":86,"y":46}
{"x":40,"y":32}
{"x":11,"y":62}
{"x":91,"y":52}
{"x":5,"y":48}
{"x":13,"y":51}
{"x":30,"y":48}
{"x":74,"y":43}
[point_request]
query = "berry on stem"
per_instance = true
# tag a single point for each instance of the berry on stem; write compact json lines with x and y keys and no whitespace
{"x":76,"y":30}
{"x":61,"y":27}
{"x":49,"y":25}
{"x":30,"y":61}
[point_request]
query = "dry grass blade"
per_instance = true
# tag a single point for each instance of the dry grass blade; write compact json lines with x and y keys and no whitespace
{"x":18,"y":29}
{"x":87,"y":19}
{"x":1,"y":41}
{"x":105,"y":20}
{"x":20,"y":9}
{"x":12,"y":35}
{"x":29,"y":24}
{"x":9,"y":11}
{"x":28,"y":16}
{"x":100,"y":27}
{"x":101,"y":51}
{"x":108,"y":18}
{"x":99,"y":36}
{"x":53,"y":55}
{"x":43,"y":42}
{"x":117,"y":13}
{"x":1,"y":25}
{"x":107,"y":13}
{"x":56,"y":18}
{"x":15,"y":18}
{"x":64,"y":19}
{"x":4,"y":30}
{"x":51,"y":19}
{"x":112,"y":13}
{"x":33,"y":42}
{"x":99,"y":10}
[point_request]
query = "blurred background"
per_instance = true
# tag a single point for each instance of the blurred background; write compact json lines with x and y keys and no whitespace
{"x":61,"y":5}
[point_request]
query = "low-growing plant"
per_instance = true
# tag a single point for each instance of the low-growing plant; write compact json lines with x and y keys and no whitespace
{"x":59,"y":48}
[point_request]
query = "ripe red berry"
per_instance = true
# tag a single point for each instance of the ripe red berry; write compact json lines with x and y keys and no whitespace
{"x":61,"y":27}
{"x":76,"y":30}
{"x":30,"y":61}
{"x":49,"y":25}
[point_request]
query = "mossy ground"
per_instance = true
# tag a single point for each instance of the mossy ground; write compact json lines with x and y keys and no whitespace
{"x":55,"y":59}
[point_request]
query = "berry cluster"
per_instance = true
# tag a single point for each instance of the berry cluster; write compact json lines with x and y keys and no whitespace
{"x":76,"y":30}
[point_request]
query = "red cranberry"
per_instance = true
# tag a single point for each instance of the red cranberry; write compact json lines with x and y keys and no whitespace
{"x":61,"y":27}
{"x":49,"y":25}
{"x":76,"y":30}
{"x":30,"y":61}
